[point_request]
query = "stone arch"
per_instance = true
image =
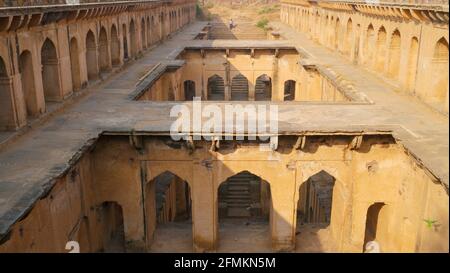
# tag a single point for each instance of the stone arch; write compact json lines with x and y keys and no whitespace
{"x":50,"y":71}
{"x":189,"y":90}
{"x":380,"y":57}
{"x":75,"y":64}
{"x":413,"y":57}
{"x":111,"y":223}
{"x":348,"y":43}
{"x":115,"y":46}
{"x":7,"y":115}
{"x":394,"y":55}
{"x":216,"y":88}
{"x":103,"y":52}
{"x":133,"y":39}
{"x":336,"y":34}
{"x":28,"y":83}
{"x":149,"y":32}
{"x":91,"y":56}
{"x":167,"y":198}
{"x":263,"y":88}
{"x":242,"y":199}
{"x":143,"y":39}
{"x":439,"y":66}
{"x":315,"y":199}
{"x":125,"y":42}
{"x":368,"y":45}
{"x":374,"y":223}
{"x":239,"y":88}
{"x":289,"y":90}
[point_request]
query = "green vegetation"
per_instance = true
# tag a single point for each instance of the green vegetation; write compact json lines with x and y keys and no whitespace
{"x":262,"y":23}
{"x":266,"y":10}
{"x":430,"y":223}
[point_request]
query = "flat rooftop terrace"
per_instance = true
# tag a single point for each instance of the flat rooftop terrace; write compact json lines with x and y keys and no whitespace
{"x":30,"y":163}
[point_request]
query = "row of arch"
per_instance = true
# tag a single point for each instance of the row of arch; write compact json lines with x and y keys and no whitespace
{"x":240,"y":88}
{"x":91,"y":55}
{"x":390,"y":53}
{"x":314,"y":207}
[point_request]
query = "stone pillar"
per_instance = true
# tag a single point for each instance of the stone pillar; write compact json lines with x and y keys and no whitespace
{"x":276,"y":87}
{"x":283,"y":188}
{"x":204,"y":197}
{"x":227,"y":82}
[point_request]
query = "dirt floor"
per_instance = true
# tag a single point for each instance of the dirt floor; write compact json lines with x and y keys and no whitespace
{"x":239,"y":235}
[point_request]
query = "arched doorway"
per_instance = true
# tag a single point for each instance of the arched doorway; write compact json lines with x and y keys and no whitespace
{"x":168,"y":206}
{"x":103,"y":51}
{"x":372,"y":223}
{"x":239,"y":88}
{"x":28,"y":85}
{"x":263,"y":88}
{"x":143,"y":40}
{"x":110,"y":221}
{"x":439,"y":66}
{"x":289,"y":90}
{"x":50,"y":71}
{"x":216,"y":88}
{"x":348,"y":37}
{"x":115,"y":46}
{"x":381,"y":50}
{"x":336,"y":34}
{"x":75,"y":64}
{"x":394,"y":55}
{"x":368,"y":45}
{"x":314,"y":211}
{"x":413,"y":58}
{"x":149,"y":32}
{"x":133,"y":39}
{"x":125,"y":43}
{"x":7,"y":120}
{"x":244,"y":213}
{"x":189,"y":90}
{"x":91,"y":56}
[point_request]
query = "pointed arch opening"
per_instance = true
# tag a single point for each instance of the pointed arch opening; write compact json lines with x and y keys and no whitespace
{"x":413,"y":57}
{"x":216,"y":88}
{"x":348,"y":37}
{"x":103,"y":51}
{"x":91,"y":56}
{"x":7,"y":120}
{"x":28,"y":84}
{"x":168,"y":213}
{"x":289,"y":90}
{"x":439,"y":64}
{"x":369,"y":44}
{"x":239,"y":88}
{"x":263,"y":88}
{"x":394,"y":55}
{"x":115,"y":46}
{"x":125,"y":43}
{"x":244,"y":212}
{"x":133,"y":41}
{"x":50,"y":71}
{"x":189,"y":90}
{"x":143,"y":39}
{"x":110,"y":221}
{"x":75,"y":64}
{"x":374,"y":224}
{"x":380,"y":57}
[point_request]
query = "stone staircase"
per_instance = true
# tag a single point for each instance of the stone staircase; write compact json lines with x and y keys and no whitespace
{"x":236,"y":198}
{"x":239,"y":88}
{"x":242,"y":31}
